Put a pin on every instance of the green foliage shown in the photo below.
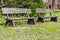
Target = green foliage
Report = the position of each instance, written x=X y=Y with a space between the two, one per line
x=42 y=14
x=24 y=4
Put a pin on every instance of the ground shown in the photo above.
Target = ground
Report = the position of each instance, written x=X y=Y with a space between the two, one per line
x=39 y=31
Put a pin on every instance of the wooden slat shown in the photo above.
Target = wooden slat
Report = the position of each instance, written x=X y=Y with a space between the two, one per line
x=15 y=10
x=40 y=10
x=49 y=10
x=49 y=16
x=17 y=18
x=56 y=9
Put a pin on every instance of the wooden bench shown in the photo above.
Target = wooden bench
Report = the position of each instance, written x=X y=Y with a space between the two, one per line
x=41 y=18
x=9 y=19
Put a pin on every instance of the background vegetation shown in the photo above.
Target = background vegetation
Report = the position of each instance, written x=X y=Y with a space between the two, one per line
x=32 y=4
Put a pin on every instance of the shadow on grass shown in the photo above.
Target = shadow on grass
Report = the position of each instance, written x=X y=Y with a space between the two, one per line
x=47 y=21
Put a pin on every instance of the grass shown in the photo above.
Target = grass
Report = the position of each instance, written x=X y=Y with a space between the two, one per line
x=39 y=31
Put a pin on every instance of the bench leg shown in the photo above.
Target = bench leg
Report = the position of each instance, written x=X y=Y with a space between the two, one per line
x=40 y=19
x=54 y=19
x=31 y=21
x=9 y=23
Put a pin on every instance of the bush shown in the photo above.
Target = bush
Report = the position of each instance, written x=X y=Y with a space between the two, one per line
x=24 y=4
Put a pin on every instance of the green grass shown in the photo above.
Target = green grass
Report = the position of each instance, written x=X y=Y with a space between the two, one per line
x=39 y=31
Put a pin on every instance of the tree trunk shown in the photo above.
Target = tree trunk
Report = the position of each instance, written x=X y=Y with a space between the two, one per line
x=2 y=2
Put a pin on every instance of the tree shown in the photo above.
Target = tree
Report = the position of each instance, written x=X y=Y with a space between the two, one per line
x=2 y=2
x=23 y=4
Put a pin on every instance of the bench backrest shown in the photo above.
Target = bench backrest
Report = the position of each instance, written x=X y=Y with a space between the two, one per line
x=40 y=10
x=15 y=10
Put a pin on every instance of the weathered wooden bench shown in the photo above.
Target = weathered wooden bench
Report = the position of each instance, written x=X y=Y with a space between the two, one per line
x=41 y=18
x=9 y=19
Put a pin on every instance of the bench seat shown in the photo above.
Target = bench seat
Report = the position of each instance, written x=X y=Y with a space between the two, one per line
x=10 y=18
x=52 y=18
x=48 y=16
